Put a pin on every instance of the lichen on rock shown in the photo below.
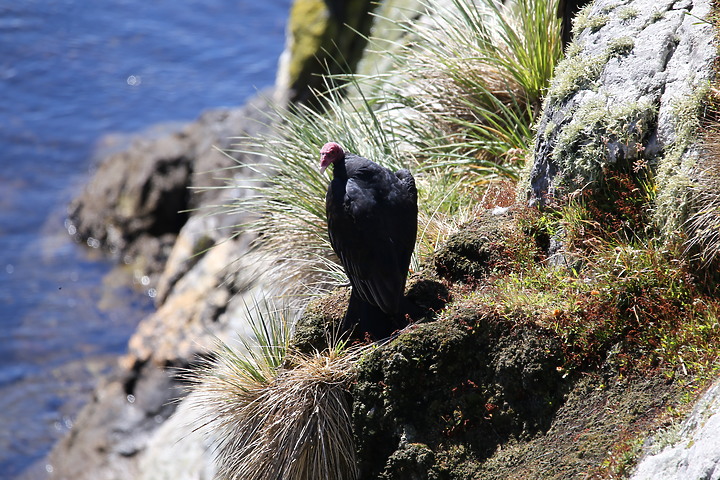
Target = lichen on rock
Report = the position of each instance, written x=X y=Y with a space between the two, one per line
x=615 y=100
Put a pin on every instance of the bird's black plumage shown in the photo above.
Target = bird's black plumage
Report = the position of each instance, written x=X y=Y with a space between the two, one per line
x=372 y=223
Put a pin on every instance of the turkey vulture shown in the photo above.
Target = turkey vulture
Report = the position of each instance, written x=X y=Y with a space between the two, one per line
x=372 y=223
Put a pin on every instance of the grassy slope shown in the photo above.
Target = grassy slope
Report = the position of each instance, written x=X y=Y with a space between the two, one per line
x=533 y=362
x=530 y=370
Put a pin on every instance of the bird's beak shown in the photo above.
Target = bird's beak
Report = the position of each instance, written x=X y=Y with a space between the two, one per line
x=324 y=162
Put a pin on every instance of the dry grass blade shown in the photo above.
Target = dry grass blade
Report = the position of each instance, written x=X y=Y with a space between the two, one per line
x=703 y=225
x=294 y=426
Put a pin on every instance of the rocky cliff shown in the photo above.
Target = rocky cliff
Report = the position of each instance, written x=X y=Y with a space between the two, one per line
x=504 y=393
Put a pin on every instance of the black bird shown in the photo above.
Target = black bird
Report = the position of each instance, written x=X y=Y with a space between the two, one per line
x=372 y=223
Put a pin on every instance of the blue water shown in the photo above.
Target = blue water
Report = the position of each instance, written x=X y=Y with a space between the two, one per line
x=70 y=72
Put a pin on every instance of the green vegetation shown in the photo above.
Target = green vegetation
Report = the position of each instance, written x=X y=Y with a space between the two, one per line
x=276 y=412
x=674 y=173
x=600 y=134
x=628 y=13
x=474 y=78
x=584 y=20
x=614 y=308
x=703 y=225
x=533 y=311
x=492 y=77
x=613 y=284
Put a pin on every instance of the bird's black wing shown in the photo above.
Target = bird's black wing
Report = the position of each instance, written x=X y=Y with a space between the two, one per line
x=372 y=229
x=406 y=213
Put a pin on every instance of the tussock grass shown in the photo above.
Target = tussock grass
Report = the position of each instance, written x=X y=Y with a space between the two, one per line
x=296 y=426
x=703 y=224
x=273 y=413
x=473 y=76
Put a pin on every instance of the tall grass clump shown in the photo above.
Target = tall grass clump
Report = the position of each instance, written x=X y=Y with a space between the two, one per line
x=475 y=74
x=275 y=413
x=703 y=224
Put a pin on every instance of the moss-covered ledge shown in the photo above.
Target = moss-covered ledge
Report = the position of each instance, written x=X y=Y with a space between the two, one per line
x=452 y=389
x=324 y=36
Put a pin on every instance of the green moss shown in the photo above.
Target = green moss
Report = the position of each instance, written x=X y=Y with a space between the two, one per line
x=550 y=128
x=489 y=245
x=411 y=460
x=448 y=383
x=584 y=20
x=502 y=357
x=656 y=16
x=327 y=37
x=591 y=22
x=581 y=72
x=321 y=318
x=597 y=22
x=620 y=46
x=607 y=9
x=573 y=50
x=571 y=75
x=311 y=28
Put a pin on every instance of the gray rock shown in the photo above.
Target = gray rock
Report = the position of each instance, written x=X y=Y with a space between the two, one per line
x=115 y=426
x=207 y=278
x=695 y=453
x=615 y=98
x=177 y=451
x=141 y=191
x=138 y=199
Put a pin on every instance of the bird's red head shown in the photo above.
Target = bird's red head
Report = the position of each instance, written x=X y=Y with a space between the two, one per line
x=330 y=153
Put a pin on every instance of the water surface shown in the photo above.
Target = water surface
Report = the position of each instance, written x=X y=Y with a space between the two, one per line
x=72 y=71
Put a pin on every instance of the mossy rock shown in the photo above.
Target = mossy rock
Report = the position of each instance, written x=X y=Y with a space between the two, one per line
x=412 y=461
x=322 y=317
x=327 y=36
x=428 y=293
x=492 y=243
x=473 y=380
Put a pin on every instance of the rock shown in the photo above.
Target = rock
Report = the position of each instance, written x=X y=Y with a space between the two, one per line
x=694 y=452
x=321 y=318
x=159 y=462
x=197 y=238
x=115 y=426
x=322 y=37
x=110 y=438
x=483 y=380
x=141 y=191
x=208 y=282
x=626 y=99
x=207 y=303
x=490 y=244
x=138 y=199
